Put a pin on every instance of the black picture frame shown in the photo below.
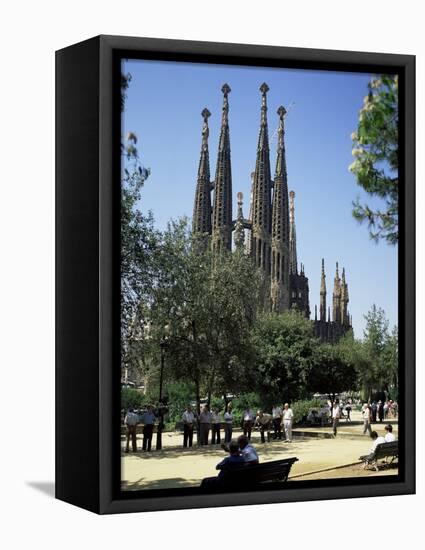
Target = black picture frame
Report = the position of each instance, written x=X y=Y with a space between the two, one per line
x=88 y=270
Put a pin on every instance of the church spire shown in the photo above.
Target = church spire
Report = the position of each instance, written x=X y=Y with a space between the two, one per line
x=345 y=319
x=222 y=211
x=293 y=262
x=280 y=226
x=323 y=293
x=261 y=193
x=239 y=236
x=201 y=222
x=336 y=297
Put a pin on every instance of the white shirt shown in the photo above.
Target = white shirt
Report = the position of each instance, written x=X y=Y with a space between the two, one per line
x=215 y=418
x=131 y=419
x=205 y=417
x=248 y=415
x=377 y=442
x=288 y=414
x=188 y=417
x=249 y=453
x=389 y=437
x=276 y=412
x=336 y=413
x=228 y=417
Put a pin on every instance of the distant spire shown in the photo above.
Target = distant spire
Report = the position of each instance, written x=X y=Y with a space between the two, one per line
x=201 y=221
x=293 y=262
x=329 y=314
x=345 y=320
x=239 y=235
x=323 y=293
x=222 y=211
x=261 y=192
x=315 y=312
x=336 y=297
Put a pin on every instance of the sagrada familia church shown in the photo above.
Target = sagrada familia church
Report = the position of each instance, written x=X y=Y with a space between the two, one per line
x=268 y=235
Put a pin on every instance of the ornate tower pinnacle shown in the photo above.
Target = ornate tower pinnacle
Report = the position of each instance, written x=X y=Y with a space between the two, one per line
x=222 y=209
x=239 y=237
x=323 y=293
x=201 y=222
x=336 y=298
x=280 y=298
x=293 y=262
x=260 y=242
x=345 y=318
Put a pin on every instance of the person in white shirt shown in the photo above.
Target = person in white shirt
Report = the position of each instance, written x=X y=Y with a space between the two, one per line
x=248 y=452
x=205 y=419
x=287 y=419
x=377 y=439
x=248 y=418
x=367 y=417
x=336 y=415
x=389 y=436
x=263 y=421
x=215 y=426
x=277 y=421
x=188 y=419
x=131 y=420
x=228 y=424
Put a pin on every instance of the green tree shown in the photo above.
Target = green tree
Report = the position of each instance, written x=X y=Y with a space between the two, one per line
x=333 y=372
x=285 y=354
x=375 y=149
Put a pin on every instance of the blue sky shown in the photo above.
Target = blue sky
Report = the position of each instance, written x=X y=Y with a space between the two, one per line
x=163 y=107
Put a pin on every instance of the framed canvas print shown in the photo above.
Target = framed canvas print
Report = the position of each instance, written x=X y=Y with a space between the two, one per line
x=235 y=274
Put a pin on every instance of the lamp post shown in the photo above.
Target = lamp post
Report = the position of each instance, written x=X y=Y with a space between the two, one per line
x=163 y=345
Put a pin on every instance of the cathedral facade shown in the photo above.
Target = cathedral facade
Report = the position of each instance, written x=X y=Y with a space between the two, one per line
x=268 y=235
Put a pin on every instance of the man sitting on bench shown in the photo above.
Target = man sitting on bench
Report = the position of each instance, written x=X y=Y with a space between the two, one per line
x=377 y=439
x=247 y=450
x=231 y=462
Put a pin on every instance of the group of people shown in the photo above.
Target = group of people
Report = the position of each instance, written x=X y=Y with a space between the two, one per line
x=132 y=418
x=280 y=419
x=377 y=440
x=371 y=412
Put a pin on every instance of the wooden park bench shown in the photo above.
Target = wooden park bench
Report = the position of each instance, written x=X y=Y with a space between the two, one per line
x=383 y=450
x=251 y=476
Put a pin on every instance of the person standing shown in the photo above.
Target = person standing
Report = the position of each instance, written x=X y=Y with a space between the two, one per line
x=205 y=419
x=277 y=421
x=336 y=415
x=131 y=419
x=374 y=408
x=287 y=419
x=263 y=421
x=228 y=424
x=148 y=420
x=348 y=411
x=215 y=426
x=248 y=418
x=366 y=414
x=188 y=419
x=380 y=411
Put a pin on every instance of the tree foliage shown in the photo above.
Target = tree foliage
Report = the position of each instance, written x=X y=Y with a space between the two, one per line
x=285 y=354
x=375 y=149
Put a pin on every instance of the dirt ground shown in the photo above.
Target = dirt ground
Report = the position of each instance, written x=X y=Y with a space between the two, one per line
x=174 y=466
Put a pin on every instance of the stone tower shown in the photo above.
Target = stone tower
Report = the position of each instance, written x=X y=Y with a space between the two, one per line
x=280 y=227
x=239 y=232
x=222 y=209
x=201 y=222
x=261 y=194
x=345 y=319
x=336 y=298
x=323 y=293
x=298 y=282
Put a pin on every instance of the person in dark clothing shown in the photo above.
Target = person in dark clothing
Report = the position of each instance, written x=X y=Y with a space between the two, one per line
x=374 y=408
x=380 y=411
x=227 y=466
x=148 y=419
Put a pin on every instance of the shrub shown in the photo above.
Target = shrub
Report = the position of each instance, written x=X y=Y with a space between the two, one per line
x=302 y=408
